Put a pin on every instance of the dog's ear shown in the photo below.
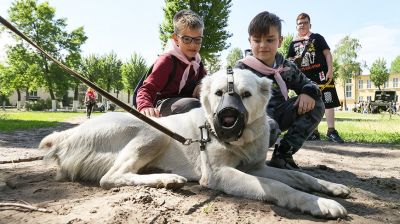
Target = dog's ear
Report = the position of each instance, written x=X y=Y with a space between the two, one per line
x=265 y=86
x=205 y=91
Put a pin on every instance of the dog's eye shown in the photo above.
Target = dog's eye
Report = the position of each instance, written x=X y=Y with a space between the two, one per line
x=218 y=93
x=246 y=94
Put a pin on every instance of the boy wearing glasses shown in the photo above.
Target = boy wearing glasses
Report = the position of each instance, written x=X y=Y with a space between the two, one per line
x=297 y=115
x=314 y=59
x=163 y=93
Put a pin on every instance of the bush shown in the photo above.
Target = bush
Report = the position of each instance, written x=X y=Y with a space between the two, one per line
x=4 y=99
x=39 y=105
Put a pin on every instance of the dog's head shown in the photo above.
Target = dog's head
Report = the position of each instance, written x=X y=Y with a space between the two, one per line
x=232 y=105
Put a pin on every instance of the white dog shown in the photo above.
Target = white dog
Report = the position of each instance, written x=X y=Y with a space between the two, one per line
x=117 y=149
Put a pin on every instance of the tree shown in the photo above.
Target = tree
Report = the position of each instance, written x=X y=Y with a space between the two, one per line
x=39 y=23
x=5 y=89
x=215 y=14
x=379 y=72
x=132 y=71
x=213 y=65
x=234 y=55
x=345 y=56
x=91 y=67
x=395 y=67
x=20 y=72
x=283 y=50
x=110 y=72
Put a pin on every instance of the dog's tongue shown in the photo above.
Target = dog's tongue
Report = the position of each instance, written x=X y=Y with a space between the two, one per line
x=228 y=121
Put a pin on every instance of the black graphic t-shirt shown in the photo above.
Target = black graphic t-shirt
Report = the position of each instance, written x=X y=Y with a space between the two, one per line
x=313 y=64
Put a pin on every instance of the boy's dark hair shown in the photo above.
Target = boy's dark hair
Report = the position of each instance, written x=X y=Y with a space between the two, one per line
x=262 y=22
x=303 y=15
x=187 y=19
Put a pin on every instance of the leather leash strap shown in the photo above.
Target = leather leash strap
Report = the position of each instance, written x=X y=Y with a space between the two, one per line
x=121 y=104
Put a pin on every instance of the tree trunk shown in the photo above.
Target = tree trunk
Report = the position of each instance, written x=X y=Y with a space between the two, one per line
x=26 y=94
x=344 y=98
x=53 y=105
x=47 y=77
x=18 y=95
x=76 y=91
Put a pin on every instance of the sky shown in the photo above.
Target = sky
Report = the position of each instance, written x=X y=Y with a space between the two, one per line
x=126 y=26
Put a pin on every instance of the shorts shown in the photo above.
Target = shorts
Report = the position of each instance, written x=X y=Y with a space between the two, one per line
x=329 y=94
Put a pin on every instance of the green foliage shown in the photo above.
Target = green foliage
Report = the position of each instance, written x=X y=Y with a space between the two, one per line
x=379 y=72
x=345 y=55
x=335 y=67
x=91 y=67
x=213 y=65
x=20 y=71
x=133 y=70
x=105 y=71
x=344 y=58
x=395 y=67
x=111 y=72
x=38 y=22
x=283 y=50
x=39 y=105
x=215 y=14
x=234 y=55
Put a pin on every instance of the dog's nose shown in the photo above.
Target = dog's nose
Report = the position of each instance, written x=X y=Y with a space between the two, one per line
x=228 y=121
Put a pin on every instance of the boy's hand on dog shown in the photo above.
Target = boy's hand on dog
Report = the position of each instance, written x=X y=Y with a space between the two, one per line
x=305 y=103
x=196 y=91
x=151 y=112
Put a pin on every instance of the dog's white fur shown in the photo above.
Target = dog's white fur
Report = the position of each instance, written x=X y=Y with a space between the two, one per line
x=117 y=149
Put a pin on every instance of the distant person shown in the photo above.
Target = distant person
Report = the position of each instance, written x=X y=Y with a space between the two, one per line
x=90 y=101
x=159 y=96
x=298 y=115
x=314 y=58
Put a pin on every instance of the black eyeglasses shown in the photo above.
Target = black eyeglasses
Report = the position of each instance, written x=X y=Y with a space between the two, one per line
x=302 y=23
x=189 y=40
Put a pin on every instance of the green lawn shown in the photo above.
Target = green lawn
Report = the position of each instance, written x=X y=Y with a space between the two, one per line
x=353 y=127
x=16 y=120
x=368 y=128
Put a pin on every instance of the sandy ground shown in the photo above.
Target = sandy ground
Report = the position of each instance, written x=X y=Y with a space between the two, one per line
x=371 y=171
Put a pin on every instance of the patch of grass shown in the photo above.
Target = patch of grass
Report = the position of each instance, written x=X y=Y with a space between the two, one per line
x=16 y=120
x=352 y=127
x=208 y=208
x=365 y=128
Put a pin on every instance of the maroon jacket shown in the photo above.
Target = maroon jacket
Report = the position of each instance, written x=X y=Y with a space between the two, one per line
x=158 y=80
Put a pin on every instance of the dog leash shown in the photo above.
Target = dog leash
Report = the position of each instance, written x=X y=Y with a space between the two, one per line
x=124 y=106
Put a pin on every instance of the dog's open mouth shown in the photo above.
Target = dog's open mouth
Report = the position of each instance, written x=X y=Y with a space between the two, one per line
x=228 y=117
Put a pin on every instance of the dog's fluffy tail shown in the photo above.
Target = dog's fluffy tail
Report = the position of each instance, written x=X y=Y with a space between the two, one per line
x=50 y=143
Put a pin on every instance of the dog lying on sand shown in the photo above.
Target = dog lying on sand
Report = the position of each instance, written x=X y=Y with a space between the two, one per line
x=117 y=149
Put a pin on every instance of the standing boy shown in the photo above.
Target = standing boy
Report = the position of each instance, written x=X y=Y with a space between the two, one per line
x=314 y=59
x=298 y=115
x=161 y=95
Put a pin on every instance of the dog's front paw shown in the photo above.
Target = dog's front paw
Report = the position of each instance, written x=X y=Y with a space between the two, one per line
x=341 y=191
x=328 y=208
x=338 y=190
x=171 y=181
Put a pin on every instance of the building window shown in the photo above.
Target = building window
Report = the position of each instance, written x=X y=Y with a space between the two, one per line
x=360 y=84
x=33 y=93
x=368 y=98
x=386 y=84
x=368 y=84
x=360 y=99
x=395 y=82
x=348 y=91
